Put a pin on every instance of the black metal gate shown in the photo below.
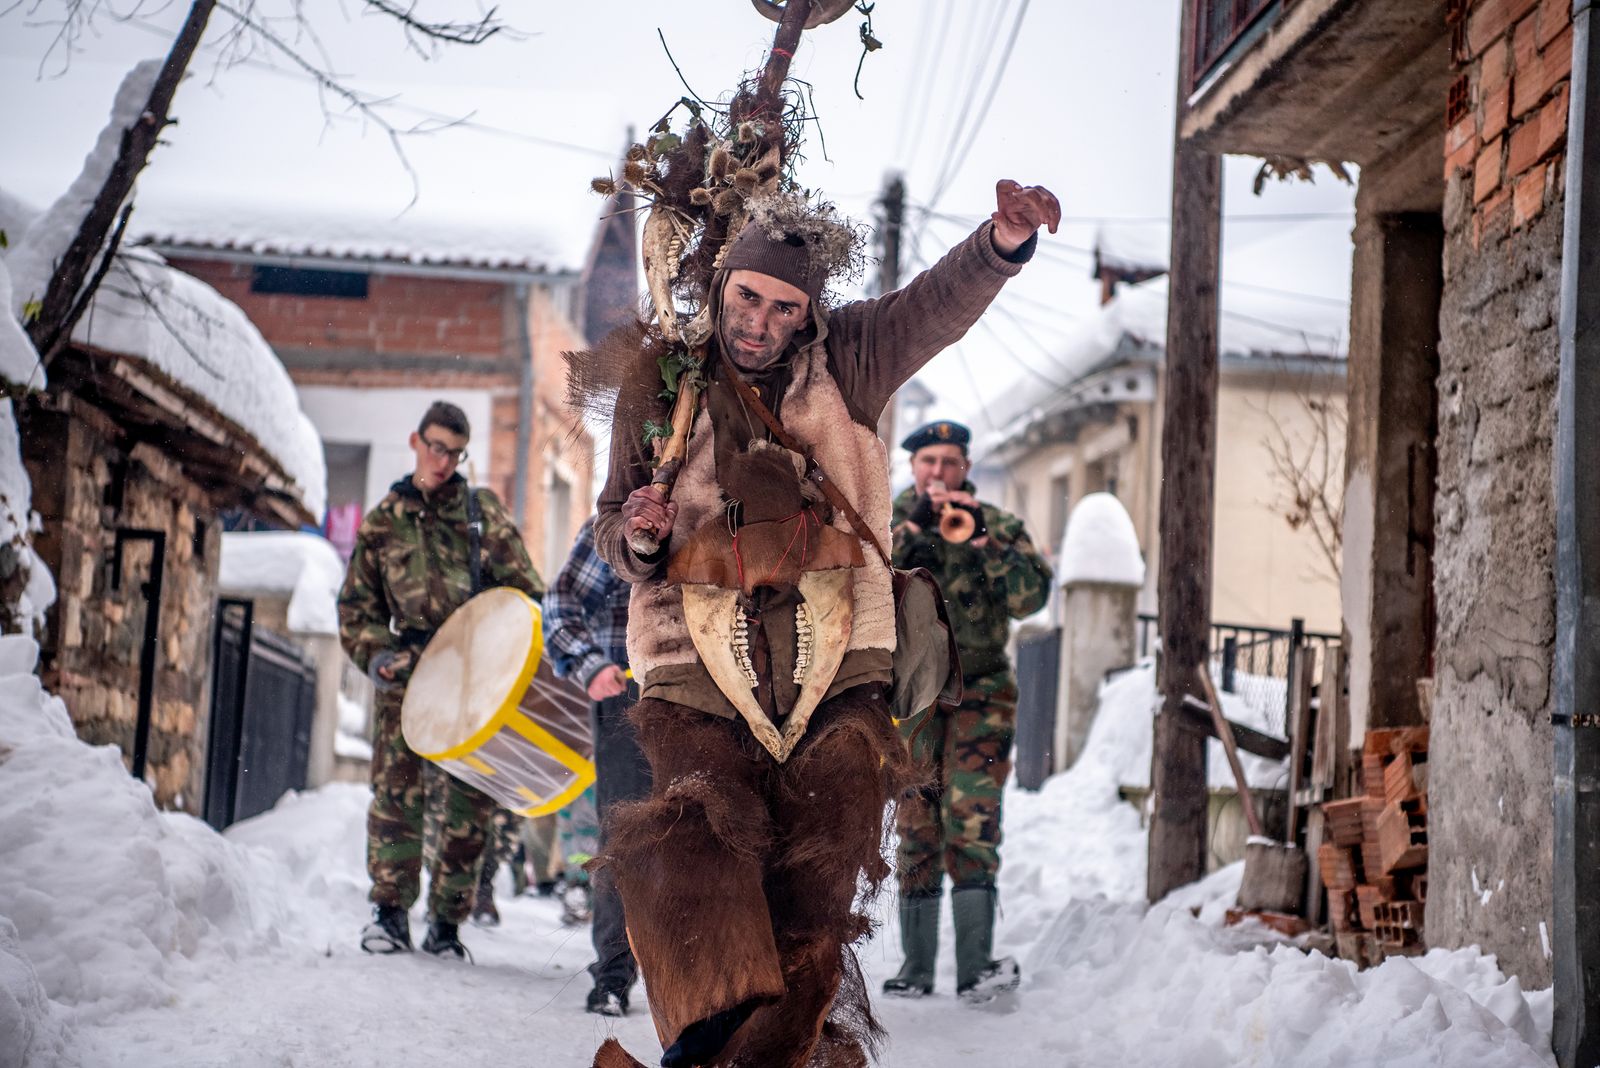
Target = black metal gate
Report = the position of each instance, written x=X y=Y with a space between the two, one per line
x=263 y=699
x=1038 y=682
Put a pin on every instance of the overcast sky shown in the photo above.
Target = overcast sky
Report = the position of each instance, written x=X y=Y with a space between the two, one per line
x=1083 y=104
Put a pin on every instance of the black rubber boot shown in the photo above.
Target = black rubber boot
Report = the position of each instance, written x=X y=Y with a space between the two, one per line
x=979 y=977
x=389 y=931
x=703 y=1040
x=444 y=940
x=919 y=939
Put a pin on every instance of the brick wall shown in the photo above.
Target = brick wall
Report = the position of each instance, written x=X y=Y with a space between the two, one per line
x=1512 y=136
x=1495 y=518
x=401 y=314
x=84 y=488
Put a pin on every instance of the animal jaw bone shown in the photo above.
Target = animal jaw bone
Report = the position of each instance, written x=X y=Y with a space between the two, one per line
x=822 y=11
x=666 y=231
x=710 y=612
x=715 y=619
x=829 y=602
x=803 y=642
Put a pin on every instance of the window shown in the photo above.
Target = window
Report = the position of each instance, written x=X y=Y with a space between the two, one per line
x=306 y=282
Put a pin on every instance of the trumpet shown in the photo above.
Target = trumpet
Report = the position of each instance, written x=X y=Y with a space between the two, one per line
x=956 y=524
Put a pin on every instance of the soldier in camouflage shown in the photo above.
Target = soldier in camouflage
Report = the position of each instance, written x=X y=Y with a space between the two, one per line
x=410 y=569
x=952 y=823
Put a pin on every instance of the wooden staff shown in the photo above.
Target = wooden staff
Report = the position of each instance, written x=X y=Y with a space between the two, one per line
x=767 y=101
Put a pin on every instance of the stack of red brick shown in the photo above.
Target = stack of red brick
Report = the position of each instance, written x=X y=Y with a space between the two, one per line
x=1374 y=861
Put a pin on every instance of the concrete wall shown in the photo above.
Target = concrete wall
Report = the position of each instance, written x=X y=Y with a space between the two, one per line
x=383 y=420
x=1490 y=800
x=84 y=488
x=1266 y=572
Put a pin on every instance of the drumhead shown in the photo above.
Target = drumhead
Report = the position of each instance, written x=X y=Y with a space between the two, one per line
x=477 y=666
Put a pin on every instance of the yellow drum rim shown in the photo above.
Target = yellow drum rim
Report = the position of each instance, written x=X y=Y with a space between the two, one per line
x=583 y=770
x=509 y=706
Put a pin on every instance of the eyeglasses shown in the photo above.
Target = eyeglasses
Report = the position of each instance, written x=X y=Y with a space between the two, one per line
x=444 y=452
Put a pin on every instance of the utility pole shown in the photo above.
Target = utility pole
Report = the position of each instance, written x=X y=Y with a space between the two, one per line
x=894 y=213
x=1188 y=491
x=1576 y=683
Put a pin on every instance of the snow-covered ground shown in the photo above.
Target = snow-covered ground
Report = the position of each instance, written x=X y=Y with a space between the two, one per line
x=130 y=936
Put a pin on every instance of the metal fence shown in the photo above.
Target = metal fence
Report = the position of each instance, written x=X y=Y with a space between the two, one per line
x=1255 y=663
x=263 y=700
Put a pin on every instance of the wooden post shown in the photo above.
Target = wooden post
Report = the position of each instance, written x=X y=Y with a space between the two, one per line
x=1575 y=933
x=1188 y=464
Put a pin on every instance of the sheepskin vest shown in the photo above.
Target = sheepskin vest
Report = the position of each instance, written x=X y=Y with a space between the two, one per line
x=852 y=456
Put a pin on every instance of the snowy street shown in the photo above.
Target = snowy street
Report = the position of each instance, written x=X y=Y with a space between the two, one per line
x=133 y=937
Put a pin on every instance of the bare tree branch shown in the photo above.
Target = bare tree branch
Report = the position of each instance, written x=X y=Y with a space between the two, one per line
x=55 y=318
x=1307 y=472
x=87 y=295
x=463 y=33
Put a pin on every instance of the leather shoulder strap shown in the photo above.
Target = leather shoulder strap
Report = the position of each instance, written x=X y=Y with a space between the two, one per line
x=813 y=472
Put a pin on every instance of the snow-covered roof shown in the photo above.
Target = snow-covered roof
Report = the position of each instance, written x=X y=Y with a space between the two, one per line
x=1131 y=248
x=206 y=345
x=1100 y=545
x=414 y=240
x=302 y=567
x=1253 y=324
x=175 y=325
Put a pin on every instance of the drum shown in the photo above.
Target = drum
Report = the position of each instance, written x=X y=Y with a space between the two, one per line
x=481 y=705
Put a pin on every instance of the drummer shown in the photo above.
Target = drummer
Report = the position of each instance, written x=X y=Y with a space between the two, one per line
x=412 y=567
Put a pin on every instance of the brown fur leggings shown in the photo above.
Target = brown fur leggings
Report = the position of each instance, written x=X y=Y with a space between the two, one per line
x=739 y=876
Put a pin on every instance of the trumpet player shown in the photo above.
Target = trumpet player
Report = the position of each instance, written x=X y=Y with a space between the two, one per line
x=990 y=573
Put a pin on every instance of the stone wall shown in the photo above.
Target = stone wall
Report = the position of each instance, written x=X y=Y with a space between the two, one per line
x=1490 y=802
x=85 y=487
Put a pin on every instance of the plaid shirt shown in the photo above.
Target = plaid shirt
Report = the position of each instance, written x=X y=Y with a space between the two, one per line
x=586 y=614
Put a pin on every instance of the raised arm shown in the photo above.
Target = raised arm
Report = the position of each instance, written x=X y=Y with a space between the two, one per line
x=881 y=343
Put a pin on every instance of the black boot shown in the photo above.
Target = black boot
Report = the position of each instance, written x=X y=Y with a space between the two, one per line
x=919 y=939
x=484 y=914
x=444 y=940
x=389 y=931
x=979 y=977
x=703 y=1040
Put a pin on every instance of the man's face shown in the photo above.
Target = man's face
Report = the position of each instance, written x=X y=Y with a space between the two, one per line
x=760 y=315
x=438 y=452
x=943 y=463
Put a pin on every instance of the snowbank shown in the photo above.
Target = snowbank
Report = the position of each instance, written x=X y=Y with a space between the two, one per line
x=303 y=567
x=16 y=520
x=1160 y=987
x=110 y=896
x=1100 y=545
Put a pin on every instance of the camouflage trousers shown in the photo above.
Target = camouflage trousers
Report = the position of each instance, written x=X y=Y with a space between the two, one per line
x=401 y=784
x=951 y=823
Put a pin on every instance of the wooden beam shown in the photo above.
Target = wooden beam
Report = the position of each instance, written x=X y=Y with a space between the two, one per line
x=1196 y=715
x=1188 y=461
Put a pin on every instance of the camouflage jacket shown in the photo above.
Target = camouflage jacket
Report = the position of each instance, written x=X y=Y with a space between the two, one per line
x=410 y=567
x=983 y=588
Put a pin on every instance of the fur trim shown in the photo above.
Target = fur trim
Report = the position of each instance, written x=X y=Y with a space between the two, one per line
x=855 y=458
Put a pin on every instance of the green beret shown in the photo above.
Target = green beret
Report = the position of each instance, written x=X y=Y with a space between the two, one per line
x=943 y=432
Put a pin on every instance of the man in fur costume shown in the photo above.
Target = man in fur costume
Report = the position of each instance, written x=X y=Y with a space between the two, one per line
x=761 y=630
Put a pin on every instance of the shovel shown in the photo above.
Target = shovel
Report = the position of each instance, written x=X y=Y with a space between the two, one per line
x=1274 y=873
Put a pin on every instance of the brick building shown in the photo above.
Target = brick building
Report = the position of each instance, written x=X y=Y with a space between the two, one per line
x=1456 y=113
x=371 y=333
x=167 y=412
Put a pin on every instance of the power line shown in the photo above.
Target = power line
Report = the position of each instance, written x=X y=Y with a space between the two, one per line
x=983 y=112
x=920 y=88
x=1162 y=220
x=967 y=97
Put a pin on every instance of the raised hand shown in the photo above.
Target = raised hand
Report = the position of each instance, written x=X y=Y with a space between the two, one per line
x=1019 y=211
